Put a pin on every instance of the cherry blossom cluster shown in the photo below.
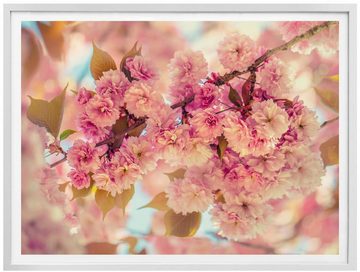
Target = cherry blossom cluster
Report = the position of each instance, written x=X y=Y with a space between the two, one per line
x=237 y=155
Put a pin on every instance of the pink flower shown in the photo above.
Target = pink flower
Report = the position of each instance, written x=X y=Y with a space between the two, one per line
x=142 y=100
x=197 y=152
x=140 y=69
x=206 y=97
x=240 y=221
x=113 y=84
x=180 y=91
x=90 y=130
x=275 y=78
x=83 y=96
x=268 y=164
x=102 y=111
x=188 y=66
x=123 y=171
x=237 y=52
x=239 y=183
x=306 y=124
x=83 y=156
x=49 y=185
x=271 y=120
x=207 y=124
x=79 y=179
x=171 y=142
x=142 y=150
x=189 y=195
x=237 y=133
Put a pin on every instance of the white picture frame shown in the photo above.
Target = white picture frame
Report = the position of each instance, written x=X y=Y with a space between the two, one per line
x=177 y=262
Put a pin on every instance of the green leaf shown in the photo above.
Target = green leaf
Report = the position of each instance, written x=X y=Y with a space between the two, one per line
x=182 y=225
x=105 y=201
x=222 y=145
x=330 y=151
x=159 y=202
x=234 y=97
x=121 y=200
x=178 y=174
x=47 y=114
x=66 y=133
x=101 y=62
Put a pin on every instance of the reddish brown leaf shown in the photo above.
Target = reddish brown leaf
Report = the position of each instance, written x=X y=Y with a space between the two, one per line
x=100 y=248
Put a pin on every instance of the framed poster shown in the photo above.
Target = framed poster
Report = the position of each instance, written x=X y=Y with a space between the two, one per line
x=180 y=137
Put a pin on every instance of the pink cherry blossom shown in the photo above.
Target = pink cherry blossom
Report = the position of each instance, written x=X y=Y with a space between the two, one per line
x=142 y=100
x=237 y=133
x=79 y=179
x=90 y=130
x=267 y=164
x=240 y=221
x=189 y=195
x=206 y=96
x=275 y=78
x=188 y=66
x=83 y=96
x=113 y=84
x=271 y=120
x=83 y=156
x=102 y=111
x=140 y=69
x=207 y=124
x=236 y=52
x=306 y=124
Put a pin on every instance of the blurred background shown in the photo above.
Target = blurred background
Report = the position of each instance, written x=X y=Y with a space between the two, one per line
x=58 y=53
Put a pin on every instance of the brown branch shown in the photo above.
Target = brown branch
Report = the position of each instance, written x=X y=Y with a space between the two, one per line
x=308 y=34
x=329 y=121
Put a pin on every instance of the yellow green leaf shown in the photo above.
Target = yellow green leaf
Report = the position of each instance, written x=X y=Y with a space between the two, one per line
x=182 y=225
x=330 y=151
x=66 y=133
x=329 y=98
x=105 y=201
x=334 y=78
x=47 y=114
x=178 y=174
x=222 y=145
x=121 y=200
x=101 y=248
x=159 y=202
x=101 y=62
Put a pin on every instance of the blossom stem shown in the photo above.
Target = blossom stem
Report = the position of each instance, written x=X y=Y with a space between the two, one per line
x=329 y=121
x=286 y=46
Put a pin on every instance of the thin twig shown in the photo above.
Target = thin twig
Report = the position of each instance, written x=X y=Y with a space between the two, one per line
x=329 y=121
x=308 y=34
